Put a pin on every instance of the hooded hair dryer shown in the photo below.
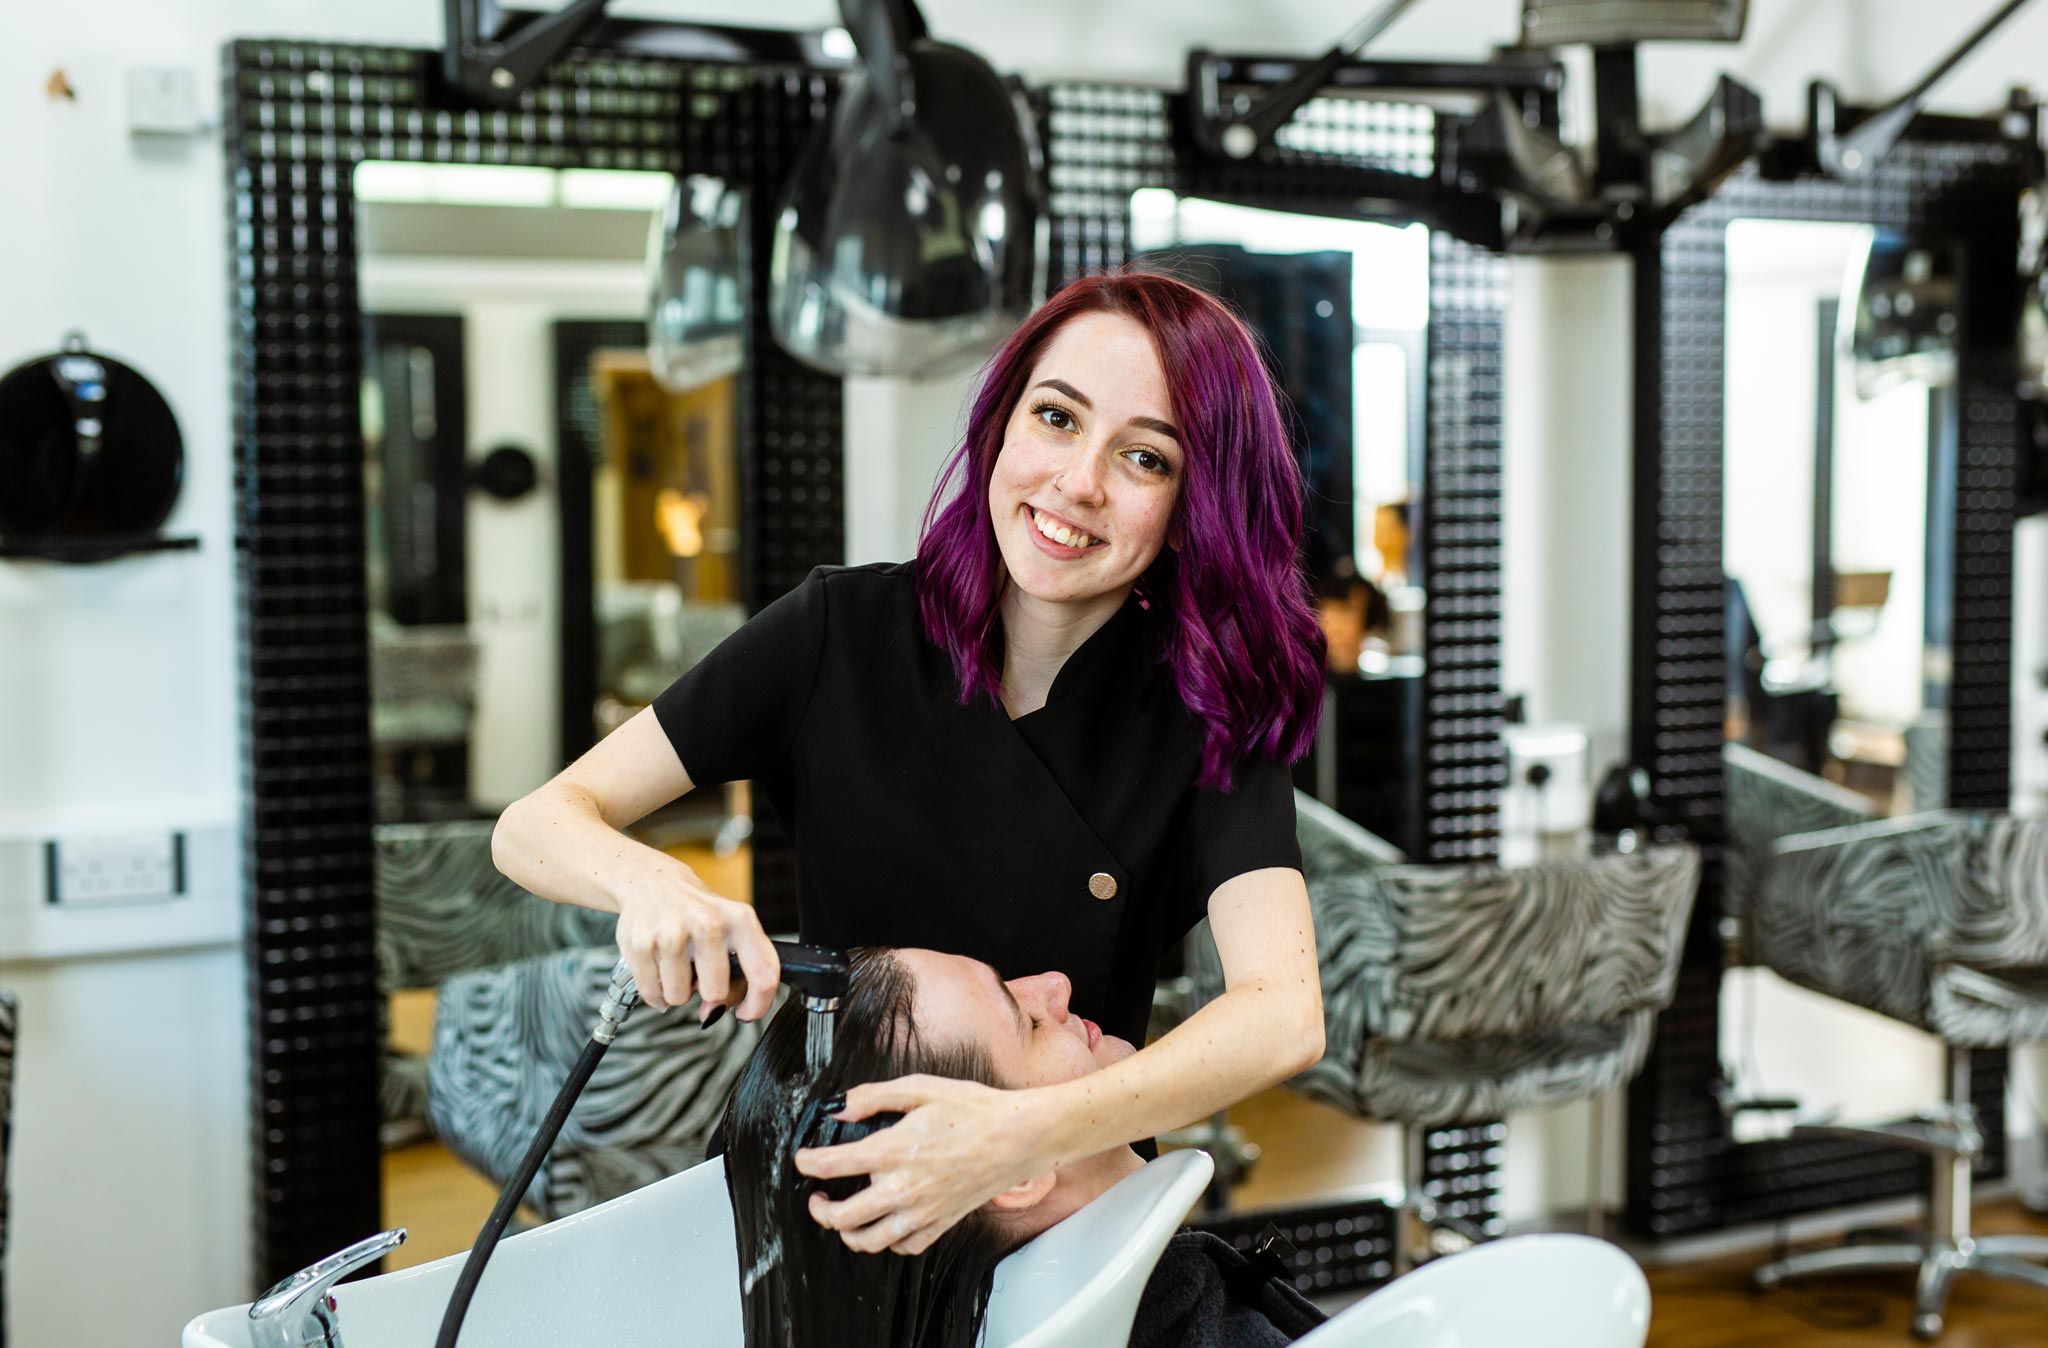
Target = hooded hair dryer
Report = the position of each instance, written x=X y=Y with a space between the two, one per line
x=908 y=240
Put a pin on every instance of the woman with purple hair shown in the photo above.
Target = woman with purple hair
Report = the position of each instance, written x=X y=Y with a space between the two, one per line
x=1056 y=739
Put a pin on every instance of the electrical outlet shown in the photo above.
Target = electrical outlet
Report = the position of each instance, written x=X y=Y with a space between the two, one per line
x=116 y=868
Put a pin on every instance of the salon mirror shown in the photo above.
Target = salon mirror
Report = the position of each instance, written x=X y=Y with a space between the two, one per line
x=1840 y=425
x=549 y=383
x=1342 y=310
x=517 y=617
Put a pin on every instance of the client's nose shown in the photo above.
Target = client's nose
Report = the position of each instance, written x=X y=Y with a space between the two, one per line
x=1047 y=993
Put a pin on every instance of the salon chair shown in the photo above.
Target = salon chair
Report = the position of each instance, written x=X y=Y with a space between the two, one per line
x=1789 y=702
x=1453 y=993
x=504 y=1041
x=1766 y=799
x=444 y=909
x=648 y=636
x=423 y=698
x=1939 y=920
x=1926 y=765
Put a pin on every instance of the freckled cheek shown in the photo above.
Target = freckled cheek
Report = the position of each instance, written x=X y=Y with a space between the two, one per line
x=1152 y=523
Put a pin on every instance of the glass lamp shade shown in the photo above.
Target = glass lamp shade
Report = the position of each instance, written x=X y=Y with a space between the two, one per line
x=694 y=306
x=911 y=250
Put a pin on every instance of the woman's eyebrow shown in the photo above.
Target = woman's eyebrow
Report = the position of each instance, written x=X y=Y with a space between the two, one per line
x=1153 y=424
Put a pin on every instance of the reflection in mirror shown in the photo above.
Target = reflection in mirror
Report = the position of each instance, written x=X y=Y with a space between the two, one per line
x=549 y=388
x=1838 y=420
x=1834 y=414
x=1342 y=309
x=508 y=344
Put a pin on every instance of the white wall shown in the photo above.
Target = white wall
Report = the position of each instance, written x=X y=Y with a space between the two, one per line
x=1569 y=443
x=117 y=683
x=898 y=435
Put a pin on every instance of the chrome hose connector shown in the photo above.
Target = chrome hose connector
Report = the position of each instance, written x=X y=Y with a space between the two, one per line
x=619 y=1000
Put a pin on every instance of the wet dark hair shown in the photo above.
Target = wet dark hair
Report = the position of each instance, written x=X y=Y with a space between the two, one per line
x=800 y=1286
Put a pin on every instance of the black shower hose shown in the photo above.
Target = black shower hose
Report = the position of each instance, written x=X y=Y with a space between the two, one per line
x=508 y=1201
x=818 y=972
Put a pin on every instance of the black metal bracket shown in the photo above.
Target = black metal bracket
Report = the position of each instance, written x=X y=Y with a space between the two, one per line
x=493 y=54
x=1236 y=103
x=1842 y=147
x=1505 y=177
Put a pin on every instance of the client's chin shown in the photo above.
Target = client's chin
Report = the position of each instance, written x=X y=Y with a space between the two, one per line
x=1110 y=1049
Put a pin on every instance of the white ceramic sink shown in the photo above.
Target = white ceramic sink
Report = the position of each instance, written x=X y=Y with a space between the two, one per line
x=1554 y=1291
x=659 y=1266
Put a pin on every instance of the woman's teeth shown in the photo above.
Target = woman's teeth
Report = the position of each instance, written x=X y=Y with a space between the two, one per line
x=1060 y=533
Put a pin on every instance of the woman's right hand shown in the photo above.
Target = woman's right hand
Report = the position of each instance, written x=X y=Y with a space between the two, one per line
x=676 y=936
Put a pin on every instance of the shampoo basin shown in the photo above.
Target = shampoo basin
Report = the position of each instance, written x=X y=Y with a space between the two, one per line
x=659 y=1266
x=1550 y=1291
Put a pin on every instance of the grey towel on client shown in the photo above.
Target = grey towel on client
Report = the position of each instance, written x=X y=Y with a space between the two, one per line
x=1204 y=1294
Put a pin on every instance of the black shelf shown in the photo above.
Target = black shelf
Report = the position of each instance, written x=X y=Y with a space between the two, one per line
x=105 y=548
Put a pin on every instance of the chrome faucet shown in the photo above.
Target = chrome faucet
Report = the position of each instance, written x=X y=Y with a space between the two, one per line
x=298 y=1312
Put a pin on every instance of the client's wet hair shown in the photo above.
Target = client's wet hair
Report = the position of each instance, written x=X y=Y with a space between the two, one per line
x=801 y=1287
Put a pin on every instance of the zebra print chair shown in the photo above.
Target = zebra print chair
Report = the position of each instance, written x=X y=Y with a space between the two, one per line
x=1939 y=920
x=1926 y=765
x=504 y=1041
x=1767 y=799
x=444 y=909
x=1453 y=993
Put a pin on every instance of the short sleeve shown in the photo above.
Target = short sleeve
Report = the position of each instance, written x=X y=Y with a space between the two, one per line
x=734 y=714
x=1225 y=834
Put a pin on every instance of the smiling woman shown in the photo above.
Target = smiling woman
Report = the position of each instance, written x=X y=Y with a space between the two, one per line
x=1057 y=739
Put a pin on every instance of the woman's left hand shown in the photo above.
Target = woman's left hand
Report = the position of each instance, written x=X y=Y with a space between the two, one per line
x=957 y=1145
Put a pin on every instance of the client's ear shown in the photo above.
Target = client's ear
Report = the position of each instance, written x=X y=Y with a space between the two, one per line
x=1022 y=1197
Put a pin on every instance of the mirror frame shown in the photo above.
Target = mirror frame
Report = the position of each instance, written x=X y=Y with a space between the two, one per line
x=297 y=118
x=1956 y=179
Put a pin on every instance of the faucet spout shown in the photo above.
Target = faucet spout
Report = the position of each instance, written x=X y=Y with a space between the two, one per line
x=298 y=1312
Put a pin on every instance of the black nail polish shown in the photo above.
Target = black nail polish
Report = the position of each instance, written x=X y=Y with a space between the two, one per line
x=712 y=1019
x=832 y=1106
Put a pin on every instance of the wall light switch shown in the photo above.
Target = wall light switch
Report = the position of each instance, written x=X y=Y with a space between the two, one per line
x=164 y=100
x=116 y=868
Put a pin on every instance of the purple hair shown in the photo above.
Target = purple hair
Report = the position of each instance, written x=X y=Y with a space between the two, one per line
x=1243 y=644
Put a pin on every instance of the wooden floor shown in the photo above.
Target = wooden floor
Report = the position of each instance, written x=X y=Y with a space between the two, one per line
x=1711 y=1306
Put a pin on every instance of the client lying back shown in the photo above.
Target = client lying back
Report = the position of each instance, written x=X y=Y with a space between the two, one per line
x=919 y=1011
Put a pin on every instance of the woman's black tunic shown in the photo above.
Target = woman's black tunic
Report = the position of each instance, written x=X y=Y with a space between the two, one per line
x=1073 y=838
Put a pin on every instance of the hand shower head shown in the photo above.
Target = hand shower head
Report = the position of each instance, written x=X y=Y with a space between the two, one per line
x=813 y=970
x=816 y=973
